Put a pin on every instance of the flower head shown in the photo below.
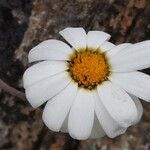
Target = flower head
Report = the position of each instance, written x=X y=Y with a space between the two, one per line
x=92 y=88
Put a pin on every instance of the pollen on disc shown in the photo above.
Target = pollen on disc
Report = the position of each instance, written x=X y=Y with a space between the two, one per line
x=88 y=68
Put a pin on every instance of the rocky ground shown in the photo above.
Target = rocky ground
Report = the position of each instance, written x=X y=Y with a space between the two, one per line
x=23 y=24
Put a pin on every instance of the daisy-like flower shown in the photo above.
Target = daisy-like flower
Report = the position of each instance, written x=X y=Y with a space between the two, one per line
x=92 y=87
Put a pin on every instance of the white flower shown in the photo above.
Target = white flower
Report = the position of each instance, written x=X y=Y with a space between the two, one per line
x=91 y=87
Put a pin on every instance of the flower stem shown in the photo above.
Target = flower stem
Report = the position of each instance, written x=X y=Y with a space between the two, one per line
x=7 y=88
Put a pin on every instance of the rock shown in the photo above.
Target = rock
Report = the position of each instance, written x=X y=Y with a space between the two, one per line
x=25 y=23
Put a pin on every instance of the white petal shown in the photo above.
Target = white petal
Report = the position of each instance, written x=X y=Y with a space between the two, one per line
x=64 y=127
x=75 y=36
x=58 y=107
x=138 y=106
x=42 y=91
x=134 y=57
x=96 y=38
x=110 y=126
x=106 y=46
x=97 y=130
x=117 y=102
x=136 y=83
x=50 y=50
x=117 y=49
x=81 y=115
x=42 y=70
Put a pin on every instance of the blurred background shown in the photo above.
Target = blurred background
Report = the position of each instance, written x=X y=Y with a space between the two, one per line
x=25 y=23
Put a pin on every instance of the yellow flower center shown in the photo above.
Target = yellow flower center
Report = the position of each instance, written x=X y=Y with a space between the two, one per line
x=88 y=68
